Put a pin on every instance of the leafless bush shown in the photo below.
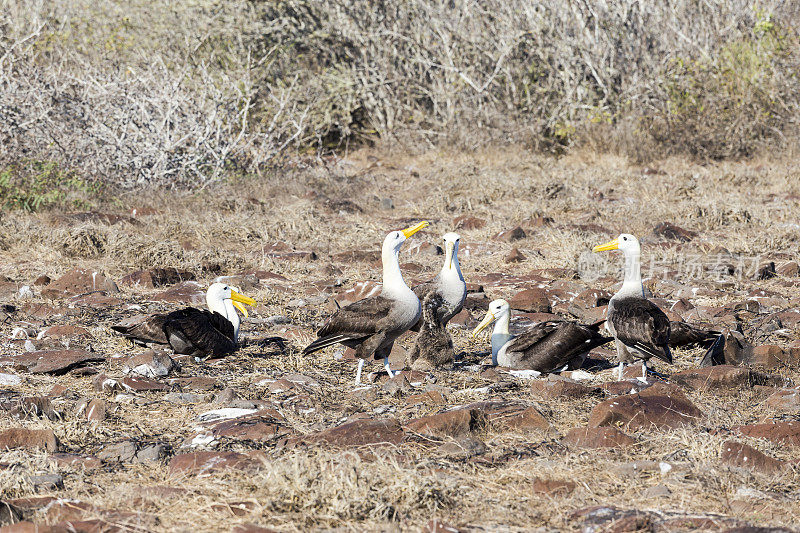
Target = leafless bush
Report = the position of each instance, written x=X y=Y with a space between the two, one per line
x=168 y=118
x=546 y=72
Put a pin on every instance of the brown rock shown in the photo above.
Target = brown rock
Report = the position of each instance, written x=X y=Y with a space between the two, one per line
x=592 y=298
x=724 y=377
x=187 y=292
x=511 y=235
x=361 y=433
x=619 y=388
x=784 y=399
x=150 y=364
x=194 y=383
x=531 y=300
x=467 y=222
x=771 y=356
x=75 y=461
x=744 y=456
x=437 y=526
x=96 y=411
x=103 y=383
x=672 y=232
x=42 y=280
x=455 y=423
x=61 y=331
x=428 y=397
x=511 y=416
x=356 y=256
x=79 y=281
x=281 y=250
x=659 y=406
x=258 y=427
x=136 y=384
x=781 y=432
x=359 y=291
x=29 y=439
x=252 y=528
x=598 y=437
x=156 y=277
x=56 y=362
x=789 y=269
x=95 y=300
x=550 y=389
x=515 y=256
x=205 y=462
x=553 y=487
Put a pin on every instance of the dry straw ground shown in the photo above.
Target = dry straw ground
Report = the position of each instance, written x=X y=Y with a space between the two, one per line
x=750 y=208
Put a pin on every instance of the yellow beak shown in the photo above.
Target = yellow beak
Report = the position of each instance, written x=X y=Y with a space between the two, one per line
x=450 y=248
x=611 y=245
x=488 y=319
x=408 y=232
x=239 y=299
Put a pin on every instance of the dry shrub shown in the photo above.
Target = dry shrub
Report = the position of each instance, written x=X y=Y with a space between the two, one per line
x=109 y=89
x=181 y=94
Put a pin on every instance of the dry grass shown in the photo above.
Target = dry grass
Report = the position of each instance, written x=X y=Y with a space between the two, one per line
x=745 y=207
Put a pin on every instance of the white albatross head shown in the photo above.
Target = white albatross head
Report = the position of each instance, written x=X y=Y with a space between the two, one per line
x=497 y=309
x=219 y=295
x=451 y=242
x=627 y=243
x=395 y=239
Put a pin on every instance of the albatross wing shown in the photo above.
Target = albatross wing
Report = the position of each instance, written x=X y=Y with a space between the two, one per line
x=355 y=325
x=143 y=329
x=550 y=345
x=195 y=332
x=639 y=324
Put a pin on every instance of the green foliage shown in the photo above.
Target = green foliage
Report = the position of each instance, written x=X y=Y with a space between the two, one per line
x=41 y=184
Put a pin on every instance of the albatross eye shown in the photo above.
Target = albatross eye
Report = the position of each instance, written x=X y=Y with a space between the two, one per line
x=624 y=238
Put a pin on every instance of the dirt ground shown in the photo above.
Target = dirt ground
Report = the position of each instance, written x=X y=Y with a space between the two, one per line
x=280 y=474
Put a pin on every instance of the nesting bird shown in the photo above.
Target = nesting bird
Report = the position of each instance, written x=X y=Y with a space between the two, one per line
x=449 y=283
x=641 y=330
x=545 y=347
x=371 y=325
x=190 y=331
x=433 y=346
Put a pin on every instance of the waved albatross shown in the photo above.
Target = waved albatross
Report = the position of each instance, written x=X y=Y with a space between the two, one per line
x=545 y=347
x=371 y=325
x=192 y=331
x=449 y=283
x=641 y=330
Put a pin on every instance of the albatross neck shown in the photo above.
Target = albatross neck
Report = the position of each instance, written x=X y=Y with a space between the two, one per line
x=393 y=283
x=226 y=309
x=500 y=335
x=632 y=283
x=451 y=270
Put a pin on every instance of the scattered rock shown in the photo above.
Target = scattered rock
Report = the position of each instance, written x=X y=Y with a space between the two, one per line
x=672 y=232
x=360 y=433
x=553 y=487
x=437 y=526
x=462 y=448
x=454 y=423
x=744 y=456
x=789 y=269
x=207 y=462
x=150 y=364
x=56 y=362
x=79 y=281
x=156 y=277
x=515 y=256
x=103 y=383
x=135 y=384
x=563 y=388
x=724 y=377
x=29 y=439
x=187 y=292
x=511 y=235
x=784 y=399
x=120 y=452
x=598 y=437
x=659 y=406
x=96 y=411
x=787 y=432
x=531 y=300
x=466 y=222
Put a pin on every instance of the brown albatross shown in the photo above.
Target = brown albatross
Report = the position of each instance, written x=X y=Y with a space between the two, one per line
x=641 y=330
x=545 y=347
x=371 y=325
x=433 y=346
x=192 y=331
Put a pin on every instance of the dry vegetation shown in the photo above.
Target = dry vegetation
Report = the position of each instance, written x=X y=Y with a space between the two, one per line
x=747 y=208
x=180 y=94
